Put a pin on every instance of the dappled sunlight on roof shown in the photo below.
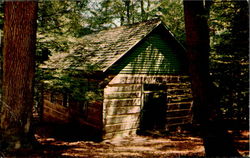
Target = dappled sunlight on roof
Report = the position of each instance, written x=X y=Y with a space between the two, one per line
x=102 y=48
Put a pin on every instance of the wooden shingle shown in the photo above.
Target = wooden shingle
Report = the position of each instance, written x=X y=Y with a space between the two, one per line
x=103 y=48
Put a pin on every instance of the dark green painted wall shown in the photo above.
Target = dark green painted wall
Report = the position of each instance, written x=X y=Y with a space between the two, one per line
x=153 y=56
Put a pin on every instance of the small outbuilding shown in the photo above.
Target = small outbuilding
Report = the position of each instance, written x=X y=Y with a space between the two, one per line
x=141 y=77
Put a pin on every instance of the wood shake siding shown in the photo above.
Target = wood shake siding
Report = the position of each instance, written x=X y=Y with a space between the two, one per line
x=137 y=66
x=152 y=56
x=123 y=102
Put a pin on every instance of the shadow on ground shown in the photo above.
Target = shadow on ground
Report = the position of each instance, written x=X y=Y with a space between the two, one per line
x=61 y=141
x=68 y=132
x=82 y=141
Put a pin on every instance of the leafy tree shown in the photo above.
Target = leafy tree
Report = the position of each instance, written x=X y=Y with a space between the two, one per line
x=173 y=15
x=60 y=23
x=18 y=74
x=65 y=39
x=229 y=69
x=109 y=13
x=104 y=14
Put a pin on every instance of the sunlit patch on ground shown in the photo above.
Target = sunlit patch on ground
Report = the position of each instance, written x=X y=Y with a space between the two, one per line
x=137 y=146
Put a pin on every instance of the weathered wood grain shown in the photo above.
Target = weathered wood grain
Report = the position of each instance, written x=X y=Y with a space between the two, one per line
x=179 y=105
x=178 y=113
x=91 y=124
x=122 y=88
x=123 y=110
x=122 y=95
x=150 y=79
x=179 y=120
x=122 y=102
x=124 y=98
x=53 y=112
x=122 y=118
x=121 y=127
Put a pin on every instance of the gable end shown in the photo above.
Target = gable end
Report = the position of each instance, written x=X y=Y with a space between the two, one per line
x=158 y=53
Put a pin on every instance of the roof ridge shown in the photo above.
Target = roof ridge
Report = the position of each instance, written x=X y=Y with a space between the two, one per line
x=146 y=21
x=127 y=25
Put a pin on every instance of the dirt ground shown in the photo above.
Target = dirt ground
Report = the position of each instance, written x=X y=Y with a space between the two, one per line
x=177 y=145
x=173 y=145
x=137 y=146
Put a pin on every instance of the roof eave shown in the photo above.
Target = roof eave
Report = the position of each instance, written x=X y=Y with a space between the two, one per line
x=173 y=36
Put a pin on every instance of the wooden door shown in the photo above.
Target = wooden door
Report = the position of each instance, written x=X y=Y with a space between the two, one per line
x=153 y=114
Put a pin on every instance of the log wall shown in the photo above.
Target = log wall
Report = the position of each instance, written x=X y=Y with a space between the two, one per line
x=55 y=113
x=123 y=102
x=93 y=115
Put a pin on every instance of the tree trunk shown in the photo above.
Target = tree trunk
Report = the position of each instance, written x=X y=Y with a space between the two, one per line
x=197 y=39
x=122 y=19
x=18 y=73
x=148 y=7
x=217 y=141
x=127 y=5
x=143 y=16
x=132 y=12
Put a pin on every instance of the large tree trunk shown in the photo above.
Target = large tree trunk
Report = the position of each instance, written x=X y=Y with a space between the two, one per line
x=217 y=141
x=197 y=40
x=18 y=73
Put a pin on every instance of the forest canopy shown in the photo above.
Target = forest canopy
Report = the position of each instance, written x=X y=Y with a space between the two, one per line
x=62 y=23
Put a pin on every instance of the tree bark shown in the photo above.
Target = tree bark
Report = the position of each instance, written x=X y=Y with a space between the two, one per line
x=18 y=73
x=132 y=12
x=197 y=40
x=127 y=5
x=143 y=16
x=148 y=8
x=122 y=19
x=217 y=141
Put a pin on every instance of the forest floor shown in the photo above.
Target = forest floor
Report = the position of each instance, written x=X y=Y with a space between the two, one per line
x=174 y=145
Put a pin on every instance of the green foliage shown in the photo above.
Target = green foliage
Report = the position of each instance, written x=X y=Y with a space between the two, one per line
x=229 y=22
x=173 y=15
x=109 y=13
x=112 y=13
x=72 y=82
x=59 y=24
x=61 y=17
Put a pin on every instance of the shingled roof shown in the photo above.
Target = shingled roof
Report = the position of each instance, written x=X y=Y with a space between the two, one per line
x=103 y=48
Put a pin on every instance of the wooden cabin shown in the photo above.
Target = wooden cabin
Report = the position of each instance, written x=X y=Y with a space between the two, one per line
x=141 y=73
